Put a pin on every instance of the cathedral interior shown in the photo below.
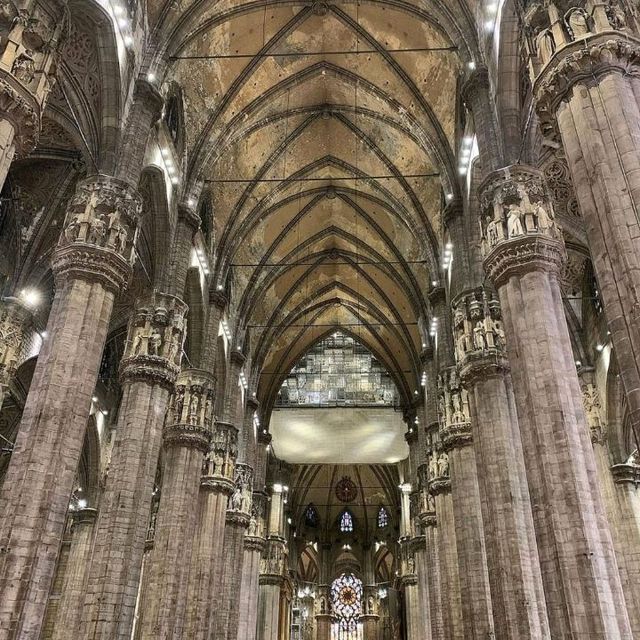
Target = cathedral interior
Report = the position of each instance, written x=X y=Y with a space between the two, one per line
x=319 y=320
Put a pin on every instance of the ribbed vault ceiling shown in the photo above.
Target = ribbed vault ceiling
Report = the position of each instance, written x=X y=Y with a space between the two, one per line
x=326 y=170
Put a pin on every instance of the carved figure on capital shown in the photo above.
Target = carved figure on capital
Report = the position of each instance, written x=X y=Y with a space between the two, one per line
x=515 y=203
x=220 y=461
x=240 y=499
x=104 y=213
x=155 y=326
x=443 y=465
x=578 y=23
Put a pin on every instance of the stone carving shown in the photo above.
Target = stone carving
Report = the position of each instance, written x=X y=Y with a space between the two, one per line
x=515 y=203
x=545 y=45
x=221 y=459
x=593 y=411
x=240 y=499
x=104 y=213
x=453 y=410
x=154 y=328
x=18 y=338
x=258 y=515
x=477 y=325
x=426 y=502
x=578 y=23
x=558 y=180
x=189 y=420
x=595 y=56
x=24 y=68
x=274 y=559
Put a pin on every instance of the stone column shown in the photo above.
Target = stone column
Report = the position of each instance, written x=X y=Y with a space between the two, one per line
x=589 y=93
x=627 y=534
x=30 y=40
x=148 y=372
x=271 y=582
x=237 y=522
x=451 y=602
x=70 y=605
x=619 y=490
x=435 y=622
x=477 y=96
x=409 y=582
x=323 y=627
x=455 y=436
x=254 y=547
x=216 y=485
x=186 y=440
x=91 y=264
x=524 y=256
x=517 y=595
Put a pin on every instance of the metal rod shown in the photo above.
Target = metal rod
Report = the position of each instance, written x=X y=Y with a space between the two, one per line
x=318 y=179
x=297 y=54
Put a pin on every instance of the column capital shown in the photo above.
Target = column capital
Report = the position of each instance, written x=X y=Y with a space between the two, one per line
x=524 y=255
x=409 y=580
x=190 y=217
x=21 y=108
x=519 y=231
x=100 y=232
x=453 y=410
x=626 y=473
x=477 y=81
x=218 y=299
x=147 y=93
x=189 y=421
x=240 y=499
x=583 y=61
x=255 y=543
x=237 y=357
x=154 y=343
x=452 y=210
x=87 y=515
x=220 y=462
x=478 y=335
x=217 y=484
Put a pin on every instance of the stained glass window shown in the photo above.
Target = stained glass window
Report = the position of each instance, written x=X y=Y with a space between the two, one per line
x=383 y=518
x=346 y=522
x=311 y=518
x=346 y=605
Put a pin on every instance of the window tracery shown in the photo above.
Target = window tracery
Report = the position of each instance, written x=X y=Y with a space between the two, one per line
x=311 y=517
x=346 y=522
x=383 y=518
x=346 y=603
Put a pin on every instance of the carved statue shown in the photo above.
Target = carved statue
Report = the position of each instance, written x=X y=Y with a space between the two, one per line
x=443 y=465
x=193 y=408
x=24 y=67
x=179 y=403
x=577 y=23
x=514 y=221
x=479 y=337
x=543 y=219
x=97 y=230
x=155 y=343
x=615 y=15
x=235 y=502
x=545 y=45
x=433 y=467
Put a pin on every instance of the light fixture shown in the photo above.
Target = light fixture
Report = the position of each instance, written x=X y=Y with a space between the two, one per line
x=128 y=41
x=82 y=503
x=95 y=398
x=471 y=65
x=191 y=202
x=449 y=197
x=578 y=363
x=30 y=297
x=599 y=347
x=488 y=25
x=151 y=77
x=277 y=487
